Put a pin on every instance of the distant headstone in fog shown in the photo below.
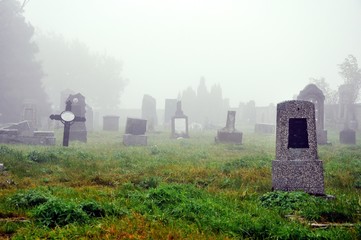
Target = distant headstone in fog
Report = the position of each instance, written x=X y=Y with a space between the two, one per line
x=313 y=94
x=30 y=113
x=264 y=128
x=111 y=123
x=169 y=110
x=149 y=111
x=229 y=134
x=179 y=123
x=135 y=132
x=297 y=167
x=346 y=110
x=78 y=130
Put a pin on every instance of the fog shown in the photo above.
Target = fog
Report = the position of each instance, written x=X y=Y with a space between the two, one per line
x=256 y=50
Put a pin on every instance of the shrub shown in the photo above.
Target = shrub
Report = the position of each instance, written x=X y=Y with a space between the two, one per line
x=58 y=213
x=41 y=157
x=93 y=209
x=29 y=199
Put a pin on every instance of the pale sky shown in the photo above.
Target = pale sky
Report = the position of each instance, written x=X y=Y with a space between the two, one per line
x=262 y=50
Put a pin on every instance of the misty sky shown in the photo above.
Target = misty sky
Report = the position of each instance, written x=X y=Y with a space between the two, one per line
x=262 y=50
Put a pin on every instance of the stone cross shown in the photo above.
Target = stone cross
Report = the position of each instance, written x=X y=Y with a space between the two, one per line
x=67 y=117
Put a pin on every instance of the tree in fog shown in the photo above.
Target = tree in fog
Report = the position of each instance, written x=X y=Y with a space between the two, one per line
x=331 y=96
x=351 y=74
x=20 y=73
x=70 y=64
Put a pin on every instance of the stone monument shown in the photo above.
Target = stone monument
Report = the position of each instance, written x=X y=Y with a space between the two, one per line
x=30 y=113
x=78 y=130
x=135 y=132
x=297 y=167
x=68 y=118
x=313 y=94
x=169 y=110
x=149 y=111
x=179 y=123
x=229 y=134
x=346 y=114
x=111 y=123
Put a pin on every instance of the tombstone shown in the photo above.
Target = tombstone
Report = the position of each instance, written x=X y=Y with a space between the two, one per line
x=313 y=94
x=264 y=128
x=20 y=133
x=346 y=115
x=68 y=118
x=179 y=123
x=89 y=115
x=169 y=110
x=149 y=111
x=30 y=113
x=135 y=132
x=297 y=167
x=229 y=134
x=78 y=130
x=111 y=123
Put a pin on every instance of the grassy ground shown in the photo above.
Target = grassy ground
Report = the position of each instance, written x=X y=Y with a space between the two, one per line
x=172 y=189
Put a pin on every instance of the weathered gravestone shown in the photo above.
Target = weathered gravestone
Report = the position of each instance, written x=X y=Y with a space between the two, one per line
x=297 y=166
x=179 y=123
x=169 y=110
x=229 y=134
x=346 y=116
x=21 y=133
x=30 y=113
x=313 y=94
x=111 y=123
x=135 y=132
x=264 y=128
x=78 y=130
x=68 y=118
x=149 y=111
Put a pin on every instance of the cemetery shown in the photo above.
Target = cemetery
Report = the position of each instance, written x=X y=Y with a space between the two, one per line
x=128 y=182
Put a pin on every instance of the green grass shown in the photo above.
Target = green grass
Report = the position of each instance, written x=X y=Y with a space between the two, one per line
x=171 y=189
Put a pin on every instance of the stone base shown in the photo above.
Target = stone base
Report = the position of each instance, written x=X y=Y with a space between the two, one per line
x=322 y=137
x=348 y=136
x=80 y=136
x=264 y=128
x=135 y=140
x=298 y=175
x=229 y=137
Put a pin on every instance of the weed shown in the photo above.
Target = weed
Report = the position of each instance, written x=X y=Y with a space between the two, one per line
x=28 y=199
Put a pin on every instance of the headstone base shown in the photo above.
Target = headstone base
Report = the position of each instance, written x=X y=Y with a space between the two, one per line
x=229 y=137
x=322 y=137
x=298 y=175
x=348 y=136
x=135 y=140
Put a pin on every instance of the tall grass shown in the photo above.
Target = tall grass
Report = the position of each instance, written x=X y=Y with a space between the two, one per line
x=176 y=189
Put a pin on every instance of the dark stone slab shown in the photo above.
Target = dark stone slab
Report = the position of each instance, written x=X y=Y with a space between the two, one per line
x=229 y=137
x=136 y=126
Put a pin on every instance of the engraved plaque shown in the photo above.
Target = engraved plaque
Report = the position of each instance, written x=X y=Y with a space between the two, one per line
x=297 y=133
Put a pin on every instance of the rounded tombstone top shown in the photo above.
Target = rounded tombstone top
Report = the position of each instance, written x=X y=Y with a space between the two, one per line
x=311 y=91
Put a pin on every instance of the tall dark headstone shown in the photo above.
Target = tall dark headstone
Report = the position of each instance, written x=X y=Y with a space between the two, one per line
x=149 y=111
x=179 y=123
x=297 y=167
x=313 y=94
x=229 y=134
x=68 y=118
x=78 y=130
